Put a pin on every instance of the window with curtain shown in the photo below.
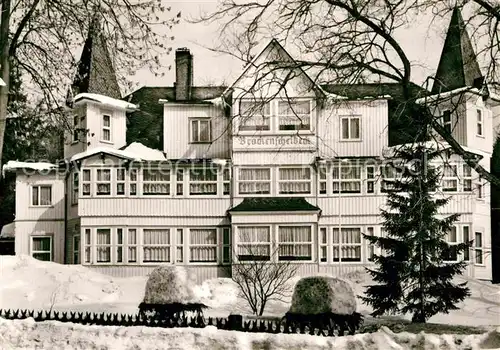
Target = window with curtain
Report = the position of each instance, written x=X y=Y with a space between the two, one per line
x=75 y=188
x=103 y=245
x=156 y=245
x=87 y=245
x=202 y=182
x=294 y=180
x=106 y=128
x=449 y=182
x=467 y=178
x=294 y=115
x=179 y=182
x=201 y=130
x=103 y=182
x=132 y=245
x=226 y=245
x=133 y=182
x=254 y=181
x=41 y=248
x=350 y=128
x=347 y=244
x=466 y=238
x=41 y=195
x=323 y=244
x=120 y=181
x=322 y=178
x=295 y=243
x=226 y=182
x=346 y=178
x=254 y=243
x=478 y=248
x=389 y=174
x=156 y=182
x=370 y=179
x=203 y=245
x=179 y=243
x=255 y=115
x=86 y=182
x=450 y=254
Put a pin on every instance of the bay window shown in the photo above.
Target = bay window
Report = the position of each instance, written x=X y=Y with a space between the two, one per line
x=346 y=179
x=156 y=182
x=254 y=243
x=203 y=245
x=294 y=115
x=254 y=181
x=156 y=245
x=41 y=247
x=202 y=182
x=103 y=245
x=103 y=182
x=294 y=180
x=294 y=243
x=347 y=244
x=255 y=115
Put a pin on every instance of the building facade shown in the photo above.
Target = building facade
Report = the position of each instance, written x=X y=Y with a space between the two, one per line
x=273 y=167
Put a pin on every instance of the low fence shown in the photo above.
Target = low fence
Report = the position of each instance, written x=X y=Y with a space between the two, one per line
x=232 y=322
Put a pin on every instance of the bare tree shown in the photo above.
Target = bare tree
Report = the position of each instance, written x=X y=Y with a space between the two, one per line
x=345 y=42
x=41 y=38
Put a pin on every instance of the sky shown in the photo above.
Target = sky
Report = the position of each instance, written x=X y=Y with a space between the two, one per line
x=422 y=41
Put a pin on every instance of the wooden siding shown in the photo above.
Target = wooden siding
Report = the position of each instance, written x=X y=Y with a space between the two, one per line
x=153 y=207
x=148 y=221
x=273 y=218
x=373 y=125
x=273 y=157
x=24 y=209
x=176 y=124
x=483 y=143
x=94 y=124
x=70 y=147
x=25 y=229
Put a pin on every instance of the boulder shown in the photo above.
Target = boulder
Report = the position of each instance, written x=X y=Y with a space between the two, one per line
x=168 y=284
x=318 y=295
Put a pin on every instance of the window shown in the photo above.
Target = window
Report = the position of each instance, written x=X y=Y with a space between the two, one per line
x=370 y=179
x=350 y=128
x=179 y=182
x=200 y=130
x=347 y=245
x=323 y=244
x=255 y=116
x=322 y=172
x=294 y=243
x=450 y=253
x=76 y=249
x=86 y=184
x=87 y=246
x=479 y=122
x=76 y=124
x=202 y=182
x=41 y=196
x=466 y=239
x=106 y=127
x=478 y=248
x=467 y=178
x=447 y=121
x=179 y=250
x=390 y=174
x=133 y=182
x=120 y=182
x=41 y=247
x=156 y=245
x=132 y=245
x=294 y=180
x=450 y=178
x=103 y=182
x=479 y=188
x=346 y=179
x=156 y=182
x=75 y=188
x=254 y=243
x=254 y=181
x=226 y=182
x=371 y=247
x=119 y=245
x=294 y=115
x=203 y=245
x=103 y=245
x=226 y=245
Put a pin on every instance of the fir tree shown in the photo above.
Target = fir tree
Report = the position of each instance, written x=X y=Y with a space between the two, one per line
x=412 y=273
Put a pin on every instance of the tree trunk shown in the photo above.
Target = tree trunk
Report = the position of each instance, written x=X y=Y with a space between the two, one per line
x=4 y=70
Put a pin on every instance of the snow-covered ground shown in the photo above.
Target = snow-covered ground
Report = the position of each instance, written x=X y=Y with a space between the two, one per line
x=26 y=283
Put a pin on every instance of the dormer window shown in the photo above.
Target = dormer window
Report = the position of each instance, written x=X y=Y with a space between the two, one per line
x=447 y=121
x=479 y=122
x=106 y=128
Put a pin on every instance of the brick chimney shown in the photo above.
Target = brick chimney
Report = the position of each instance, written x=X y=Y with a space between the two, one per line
x=183 y=74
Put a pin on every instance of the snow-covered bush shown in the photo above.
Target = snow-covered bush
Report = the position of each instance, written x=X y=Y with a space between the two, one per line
x=168 y=284
x=322 y=294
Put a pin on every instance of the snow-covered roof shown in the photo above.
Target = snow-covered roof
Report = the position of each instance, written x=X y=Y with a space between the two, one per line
x=8 y=230
x=105 y=100
x=447 y=94
x=135 y=151
x=13 y=165
x=434 y=145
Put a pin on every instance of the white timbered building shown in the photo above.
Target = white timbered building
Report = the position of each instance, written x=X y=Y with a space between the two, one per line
x=277 y=170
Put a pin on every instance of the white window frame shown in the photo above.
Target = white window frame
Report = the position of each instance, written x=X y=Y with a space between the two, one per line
x=108 y=246
x=161 y=172
x=168 y=245
x=87 y=183
x=133 y=181
x=76 y=249
x=452 y=177
x=255 y=182
x=75 y=188
x=447 y=120
x=480 y=189
x=87 y=246
x=451 y=242
x=132 y=248
x=341 y=244
x=294 y=115
x=466 y=255
x=350 y=119
x=105 y=128
x=389 y=177
x=479 y=248
x=341 y=180
x=203 y=181
x=310 y=243
x=264 y=127
x=197 y=138
x=121 y=181
x=76 y=131
x=466 y=178
x=180 y=240
x=193 y=246
x=109 y=182
x=119 y=245
x=51 y=251
x=281 y=182
x=324 y=175
x=226 y=254
x=323 y=244
x=39 y=195
x=254 y=244
x=226 y=181
x=371 y=249
x=479 y=122
x=180 y=174
x=370 y=179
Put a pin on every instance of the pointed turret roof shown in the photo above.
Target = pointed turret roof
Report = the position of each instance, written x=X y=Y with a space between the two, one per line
x=96 y=73
x=458 y=66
